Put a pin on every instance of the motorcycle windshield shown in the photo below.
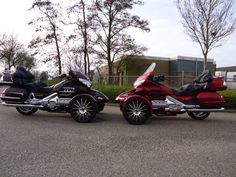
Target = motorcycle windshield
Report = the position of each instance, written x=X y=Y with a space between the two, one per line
x=82 y=77
x=150 y=69
x=141 y=79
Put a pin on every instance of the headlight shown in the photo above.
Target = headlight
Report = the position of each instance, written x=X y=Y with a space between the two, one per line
x=138 y=83
x=86 y=82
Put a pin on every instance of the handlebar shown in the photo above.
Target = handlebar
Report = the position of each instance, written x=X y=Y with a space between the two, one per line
x=61 y=76
x=160 y=78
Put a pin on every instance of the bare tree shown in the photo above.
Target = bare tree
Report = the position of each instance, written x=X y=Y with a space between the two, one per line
x=111 y=19
x=46 y=25
x=12 y=53
x=80 y=17
x=207 y=22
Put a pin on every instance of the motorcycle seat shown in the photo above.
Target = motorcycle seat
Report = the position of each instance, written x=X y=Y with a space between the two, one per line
x=200 y=83
x=24 y=79
x=190 y=89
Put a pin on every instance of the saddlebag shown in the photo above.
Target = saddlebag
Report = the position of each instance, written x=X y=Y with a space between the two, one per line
x=210 y=100
x=14 y=95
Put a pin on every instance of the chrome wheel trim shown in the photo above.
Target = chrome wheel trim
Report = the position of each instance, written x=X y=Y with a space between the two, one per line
x=25 y=109
x=200 y=114
x=137 y=110
x=82 y=108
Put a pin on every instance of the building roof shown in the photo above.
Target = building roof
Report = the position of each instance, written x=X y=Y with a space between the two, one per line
x=143 y=57
x=228 y=68
x=191 y=58
x=166 y=58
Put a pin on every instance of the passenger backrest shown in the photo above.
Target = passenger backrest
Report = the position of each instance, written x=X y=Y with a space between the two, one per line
x=22 y=76
x=206 y=76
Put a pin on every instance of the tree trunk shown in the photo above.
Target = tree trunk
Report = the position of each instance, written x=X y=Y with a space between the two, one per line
x=110 y=73
x=89 y=74
x=84 y=32
x=58 y=51
x=205 y=62
x=85 y=62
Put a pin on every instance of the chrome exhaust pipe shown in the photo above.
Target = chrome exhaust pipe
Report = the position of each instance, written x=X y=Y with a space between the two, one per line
x=204 y=110
x=21 y=105
x=48 y=97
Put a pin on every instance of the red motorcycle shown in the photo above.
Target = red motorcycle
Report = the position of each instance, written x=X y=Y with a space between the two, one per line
x=149 y=96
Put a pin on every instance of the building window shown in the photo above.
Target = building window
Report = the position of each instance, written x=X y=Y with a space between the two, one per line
x=234 y=78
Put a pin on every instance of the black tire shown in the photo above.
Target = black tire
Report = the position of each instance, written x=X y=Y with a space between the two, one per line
x=198 y=115
x=26 y=110
x=136 y=111
x=83 y=109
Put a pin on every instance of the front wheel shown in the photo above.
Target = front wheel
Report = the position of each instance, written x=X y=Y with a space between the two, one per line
x=198 y=115
x=26 y=110
x=83 y=109
x=136 y=111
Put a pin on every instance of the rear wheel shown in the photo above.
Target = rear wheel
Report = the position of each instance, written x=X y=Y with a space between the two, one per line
x=136 y=111
x=199 y=115
x=26 y=110
x=83 y=109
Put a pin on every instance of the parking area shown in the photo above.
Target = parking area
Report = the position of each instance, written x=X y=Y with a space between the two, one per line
x=49 y=144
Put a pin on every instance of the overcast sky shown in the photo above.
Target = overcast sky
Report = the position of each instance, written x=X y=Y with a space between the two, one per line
x=166 y=39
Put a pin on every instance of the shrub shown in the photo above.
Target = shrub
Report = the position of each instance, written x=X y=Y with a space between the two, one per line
x=112 y=91
x=230 y=98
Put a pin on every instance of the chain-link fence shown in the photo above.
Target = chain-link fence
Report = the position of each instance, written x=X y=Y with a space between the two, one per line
x=231 y=83
x=173 y=81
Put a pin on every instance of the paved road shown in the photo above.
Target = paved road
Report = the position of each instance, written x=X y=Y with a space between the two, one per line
x=55 y=145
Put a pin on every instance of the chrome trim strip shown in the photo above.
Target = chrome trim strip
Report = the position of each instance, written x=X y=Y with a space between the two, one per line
x=205 y=110
x=10 y=98
x=21 y=105
x=17 y=93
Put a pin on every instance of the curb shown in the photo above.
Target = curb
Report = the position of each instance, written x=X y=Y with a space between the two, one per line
x=113 y=104
x=230 y=110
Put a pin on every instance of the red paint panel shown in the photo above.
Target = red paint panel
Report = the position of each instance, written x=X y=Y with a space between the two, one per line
x=210 y=100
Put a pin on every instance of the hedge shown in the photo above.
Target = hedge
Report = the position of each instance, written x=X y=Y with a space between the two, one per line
x=230 y=98
x=112 y=91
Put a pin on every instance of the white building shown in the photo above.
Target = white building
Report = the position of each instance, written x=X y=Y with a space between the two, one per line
x=229 y=74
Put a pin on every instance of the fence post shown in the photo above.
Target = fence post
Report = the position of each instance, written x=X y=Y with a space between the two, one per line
x=120 y=79
x=226 y=73
x=182 y=78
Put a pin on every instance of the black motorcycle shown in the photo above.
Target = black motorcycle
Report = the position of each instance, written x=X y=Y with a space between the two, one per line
x=73 y=94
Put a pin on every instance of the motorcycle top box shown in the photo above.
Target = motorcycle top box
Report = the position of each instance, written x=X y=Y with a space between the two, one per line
x=73 y=94
x=150 y=96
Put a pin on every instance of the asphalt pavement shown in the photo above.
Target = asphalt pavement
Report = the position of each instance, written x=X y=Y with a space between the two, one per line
x=49 y=144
